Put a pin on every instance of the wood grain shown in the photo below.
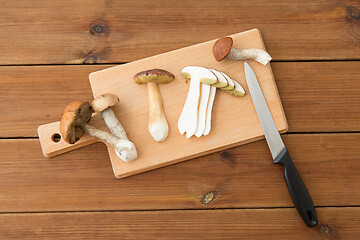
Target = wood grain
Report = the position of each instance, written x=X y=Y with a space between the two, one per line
x=317 y=96
x=234 y=119
x=78 y=31
x=240 y=177
x=320 y=97
x=335 y=223
x=34 y=95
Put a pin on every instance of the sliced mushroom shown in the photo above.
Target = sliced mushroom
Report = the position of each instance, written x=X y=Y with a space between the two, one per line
x=188 y=121
x=158 y=126
x=238 y=91
x=75 y=120
x=189 y=115
x=231 y=85
x=222 y=82
x=103 y=104
x=223 y=49
x=209 y=110
x=204 y=100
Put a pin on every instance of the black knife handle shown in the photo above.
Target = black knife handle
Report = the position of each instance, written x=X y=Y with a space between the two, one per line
x=297 y=189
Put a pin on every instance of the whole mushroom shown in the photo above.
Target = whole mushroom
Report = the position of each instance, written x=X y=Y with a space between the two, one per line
x=158 y=126
x=75 y=120
x=103 y=104
x=223 y=49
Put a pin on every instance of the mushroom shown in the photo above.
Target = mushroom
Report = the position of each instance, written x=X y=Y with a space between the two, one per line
x=233 y=87
x=209 y=110
x=103 y=104
x=237 y=91
x=204 y=100
x=75 y=120
x=223 y=48
x=222 y=82
x=193 y=114
x=158 y=126
x=231 y=84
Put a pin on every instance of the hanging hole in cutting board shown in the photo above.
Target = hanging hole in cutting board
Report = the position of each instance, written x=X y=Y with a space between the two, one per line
x=56 y=137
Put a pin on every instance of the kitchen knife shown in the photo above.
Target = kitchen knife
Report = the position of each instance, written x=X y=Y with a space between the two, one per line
x=280 y=154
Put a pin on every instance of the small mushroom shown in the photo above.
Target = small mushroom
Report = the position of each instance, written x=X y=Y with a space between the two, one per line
x=158 y=126
x=103 y=104
x=75 y=120
x=223 y=48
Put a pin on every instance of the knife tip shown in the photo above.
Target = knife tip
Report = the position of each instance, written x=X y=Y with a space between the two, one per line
x=246 y=67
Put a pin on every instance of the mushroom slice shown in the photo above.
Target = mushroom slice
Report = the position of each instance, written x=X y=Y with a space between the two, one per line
x=234 y=88
x=192 y=100
x=188 y=120
x=231 y=85
x=238 y=91
x=209 y=110
x=222 y=82
x=204 y=100
x=209 y=78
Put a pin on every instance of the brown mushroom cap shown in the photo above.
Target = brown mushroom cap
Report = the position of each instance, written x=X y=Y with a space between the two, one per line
x=104 y=101
x=69 y=130
x=222 y=48
x=154 y=75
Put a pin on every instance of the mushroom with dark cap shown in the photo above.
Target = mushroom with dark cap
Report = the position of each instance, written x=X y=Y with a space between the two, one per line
x=223 y=48
x=75 y=120
x=158 y=126
x=103 y=104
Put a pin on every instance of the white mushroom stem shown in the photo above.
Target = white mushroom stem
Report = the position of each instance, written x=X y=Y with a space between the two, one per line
x=204 y=100
x=187 y=118
x=209 y=110
x=158 y=126
x=249 y=54
x=113 y=123
x=99 y=134
x=118 y=130
x=120 y=145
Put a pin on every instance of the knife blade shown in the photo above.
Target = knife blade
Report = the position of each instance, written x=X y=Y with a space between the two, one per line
x=298 y=192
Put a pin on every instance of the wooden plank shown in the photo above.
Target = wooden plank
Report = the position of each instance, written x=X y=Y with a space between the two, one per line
x=316 y=96
x=240 y=177
x=335 y=223
x=76 y=31
x=320 y=97
x=133 y=114
x=31 y=96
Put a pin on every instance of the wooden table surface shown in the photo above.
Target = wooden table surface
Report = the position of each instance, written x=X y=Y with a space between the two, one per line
x=47 y=50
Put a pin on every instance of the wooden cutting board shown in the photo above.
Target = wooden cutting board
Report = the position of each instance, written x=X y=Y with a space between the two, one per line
x=234 y=120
